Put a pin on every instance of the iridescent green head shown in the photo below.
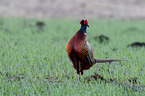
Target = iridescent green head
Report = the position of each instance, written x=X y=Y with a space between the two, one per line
x=84 y=25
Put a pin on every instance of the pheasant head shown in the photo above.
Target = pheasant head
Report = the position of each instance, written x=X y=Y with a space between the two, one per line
x=84 y=25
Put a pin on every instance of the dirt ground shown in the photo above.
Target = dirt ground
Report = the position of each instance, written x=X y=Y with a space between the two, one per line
x=126 y=9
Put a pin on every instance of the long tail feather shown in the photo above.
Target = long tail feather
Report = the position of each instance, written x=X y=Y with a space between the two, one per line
x=108 y=60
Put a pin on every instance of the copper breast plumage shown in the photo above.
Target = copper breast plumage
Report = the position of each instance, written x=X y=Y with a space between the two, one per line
x=77 y=45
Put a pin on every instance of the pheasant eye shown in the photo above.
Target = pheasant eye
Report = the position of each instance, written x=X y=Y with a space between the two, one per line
x=86 y=22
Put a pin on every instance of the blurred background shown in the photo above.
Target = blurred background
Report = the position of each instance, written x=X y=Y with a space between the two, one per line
x=124 y=9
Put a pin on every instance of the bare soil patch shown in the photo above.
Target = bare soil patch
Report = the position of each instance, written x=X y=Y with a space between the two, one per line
x=132 y=9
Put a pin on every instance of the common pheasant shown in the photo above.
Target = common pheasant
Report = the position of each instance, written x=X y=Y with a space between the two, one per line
x=80 y=52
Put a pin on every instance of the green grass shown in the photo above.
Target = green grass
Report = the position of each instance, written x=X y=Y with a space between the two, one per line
x=33 y=61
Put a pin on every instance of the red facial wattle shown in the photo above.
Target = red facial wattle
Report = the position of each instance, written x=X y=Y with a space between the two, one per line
x=85 y=22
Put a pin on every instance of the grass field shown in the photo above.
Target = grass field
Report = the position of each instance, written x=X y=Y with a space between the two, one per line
x=33 y=60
